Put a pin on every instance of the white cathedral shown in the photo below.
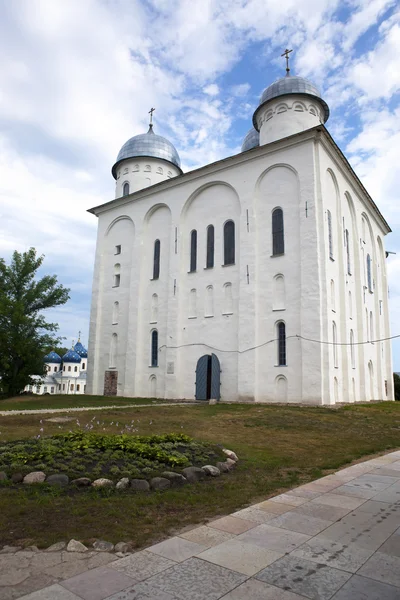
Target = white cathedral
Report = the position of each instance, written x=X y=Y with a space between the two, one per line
x=260 y=277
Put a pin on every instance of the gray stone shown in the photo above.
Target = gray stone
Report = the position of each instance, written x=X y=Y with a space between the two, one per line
x=193 y=474
x=10 y=549
x=230 y=454
x=102 y=546
x=122 y=484
x=17 y=477
x=81 y=482
x=56 y=547
x=212 y=402
x=3 y=476
x=31 y=549
x=123 y=547
x=223 y=467
x=58 y=479
x=34 y=477
x=140 y=485
x=75 y=546
x=176 y=479
x=160 y=483
x=231 y=463
x=103 y=482
x=211 y=470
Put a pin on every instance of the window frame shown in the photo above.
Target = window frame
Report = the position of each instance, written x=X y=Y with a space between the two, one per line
x=278 y=232
x=124 y=193
x=156 y=259
x=193 y=251
x=229 y=243
x=281 y=339
x=330 y=237
x=154 y=348
x=210 y=247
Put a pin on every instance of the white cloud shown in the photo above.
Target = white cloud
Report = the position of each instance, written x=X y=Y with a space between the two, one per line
x=211 y=90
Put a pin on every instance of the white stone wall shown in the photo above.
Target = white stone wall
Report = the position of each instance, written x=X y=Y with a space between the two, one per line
x=142 y=172
x=302 y=178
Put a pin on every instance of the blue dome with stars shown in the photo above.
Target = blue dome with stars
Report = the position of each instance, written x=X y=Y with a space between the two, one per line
x=52 y=357
x=80 y=349
x=71 y=356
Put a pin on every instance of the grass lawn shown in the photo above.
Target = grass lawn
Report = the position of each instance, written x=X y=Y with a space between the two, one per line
x=279 y=447
x=69 y=401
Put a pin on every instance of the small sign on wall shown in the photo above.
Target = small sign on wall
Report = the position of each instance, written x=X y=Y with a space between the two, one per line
x=170 y=368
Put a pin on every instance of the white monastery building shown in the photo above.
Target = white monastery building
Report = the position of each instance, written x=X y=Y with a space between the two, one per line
x=65 y=375
x=260 y=277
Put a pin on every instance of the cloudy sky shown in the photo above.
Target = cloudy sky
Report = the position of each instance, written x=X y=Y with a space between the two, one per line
x=79 y=76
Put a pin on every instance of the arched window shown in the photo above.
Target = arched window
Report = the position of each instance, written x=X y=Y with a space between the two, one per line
x=209 y=303
x=156 y=260
x=228 y=300
x=210 y=247
x=281 y=344
x=369 y=278
x=352 y=354
x=154 y=308
x=193 y=250
x=229 y=243
x=278 y=241
x=334 y=339
x=117 y=275
x=330 y=234
x=115 y=313
x=348 y=251
x=154 y=348
x=126 y=189
x=279 y=295
x=193 y=303
x=113 y=349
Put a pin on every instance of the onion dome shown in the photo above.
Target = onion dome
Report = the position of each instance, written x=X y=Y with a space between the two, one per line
x=150 y=145
x=71 y=357
x=252 y=140
x=80 y=349
x=291 y=84
x=52 y=357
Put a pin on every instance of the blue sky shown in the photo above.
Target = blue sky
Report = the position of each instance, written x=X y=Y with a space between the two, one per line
x=78 y=79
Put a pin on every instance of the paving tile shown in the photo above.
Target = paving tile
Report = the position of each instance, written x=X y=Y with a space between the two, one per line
x=338 y=500
x=387 y=471
x=177 y=549
x=35 y=581
x=133 y=593
x=316 y=581
x=322 y=511
x=193 y=579
x=329 y=552
x=239 y=556
x=304 y=493
x=392 y=545
x=54 y=592
x=273 y=507
x=301 y=523
x=361 y=588
x=358 y=491
x=290 y=499
x=363 y=529
x=252 y=589
x=142 y=565
x=378 y=478
x=254 y=514
x=232 y=525
x=382 y=567
x=391 y=495
x=207 y=536
x=97 y=584
x=273 y=538
x=374 y=507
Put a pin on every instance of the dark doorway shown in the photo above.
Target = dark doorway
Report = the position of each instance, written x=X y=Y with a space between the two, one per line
x=208 y=379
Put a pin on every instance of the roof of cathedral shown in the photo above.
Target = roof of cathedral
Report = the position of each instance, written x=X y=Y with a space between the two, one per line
x=71 y=356
x=251 y=140
x=80 y=349
x=292 y=84
x=148 y=144
x=52 y=357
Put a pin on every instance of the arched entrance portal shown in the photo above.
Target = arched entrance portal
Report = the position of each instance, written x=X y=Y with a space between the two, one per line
x=208 y=378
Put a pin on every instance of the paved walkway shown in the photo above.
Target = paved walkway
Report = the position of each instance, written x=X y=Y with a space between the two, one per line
x=40 y=411
x=337 y=537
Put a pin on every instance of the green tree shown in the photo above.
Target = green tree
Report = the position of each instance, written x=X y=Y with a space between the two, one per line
x=24 y=331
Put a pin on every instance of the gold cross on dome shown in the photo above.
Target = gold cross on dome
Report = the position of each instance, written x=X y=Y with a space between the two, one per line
x=286 y=55
x=151 y=115
x=79 y=336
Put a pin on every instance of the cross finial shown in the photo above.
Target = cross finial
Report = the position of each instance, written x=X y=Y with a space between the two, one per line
x=79 y=336
x=286 y=55
x=151 y=116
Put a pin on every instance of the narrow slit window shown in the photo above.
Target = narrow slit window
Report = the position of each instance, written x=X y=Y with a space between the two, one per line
x=210 y=247
x=229 y=243
x=369 y=277
x=118 y=249
x=156 y=260
x=278 y=241
x=330 y=234
x=348 y=252
x=193 y=250
x=281 y=344
x=126 y=189
x=335 y=350
x=154 y=348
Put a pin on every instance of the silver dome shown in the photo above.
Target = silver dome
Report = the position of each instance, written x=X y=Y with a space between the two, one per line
x=252 y=140
x=148 y=144
x=291 y=84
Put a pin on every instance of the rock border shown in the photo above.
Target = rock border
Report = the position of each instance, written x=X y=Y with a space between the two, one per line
x=168 y=479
